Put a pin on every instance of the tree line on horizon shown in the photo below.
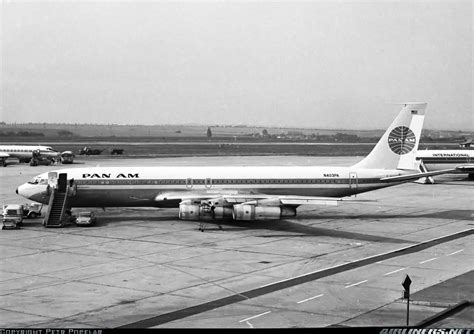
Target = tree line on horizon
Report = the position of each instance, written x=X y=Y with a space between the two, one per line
x=264 y=134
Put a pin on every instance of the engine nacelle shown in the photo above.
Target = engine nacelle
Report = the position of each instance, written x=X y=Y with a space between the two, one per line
x=251 y=212
x=203 y=212
x=188 y=212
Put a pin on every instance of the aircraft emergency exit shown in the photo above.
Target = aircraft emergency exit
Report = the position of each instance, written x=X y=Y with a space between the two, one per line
x=242 y=192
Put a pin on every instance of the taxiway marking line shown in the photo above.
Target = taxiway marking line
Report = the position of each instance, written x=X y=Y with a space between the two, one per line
x=459 y=251
x=348 y=286
x=422 y=245
x=395 y=271
x=311 y=298
x=255 y=316
x=429 y=260
x=300 y=279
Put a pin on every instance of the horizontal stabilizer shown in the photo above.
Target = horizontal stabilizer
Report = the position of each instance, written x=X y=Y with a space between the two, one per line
x=416 y=176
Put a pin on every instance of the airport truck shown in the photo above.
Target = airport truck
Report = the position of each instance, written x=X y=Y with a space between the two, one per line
x=39 y=159
x=12 y=216
x=67 y=157
x=32 y=210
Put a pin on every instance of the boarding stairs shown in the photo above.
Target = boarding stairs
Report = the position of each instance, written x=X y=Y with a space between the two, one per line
x=56 y=209
x=60 y=192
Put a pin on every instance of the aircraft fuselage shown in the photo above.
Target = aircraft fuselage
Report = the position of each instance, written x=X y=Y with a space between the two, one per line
x=145 y=186
x=445 y=159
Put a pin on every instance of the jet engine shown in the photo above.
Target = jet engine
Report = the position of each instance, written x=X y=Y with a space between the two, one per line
x=254 y=212
x=190 y=211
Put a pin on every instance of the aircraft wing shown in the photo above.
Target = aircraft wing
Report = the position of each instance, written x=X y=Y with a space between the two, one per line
x=198 y=195
x=4 y=155
x=285 y=200
x=416 y=176
x=234 y=197
x=466 y=168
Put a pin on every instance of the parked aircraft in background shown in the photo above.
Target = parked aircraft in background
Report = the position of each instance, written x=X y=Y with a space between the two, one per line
x=24 y=153
x=241 y=193
x=433 y=160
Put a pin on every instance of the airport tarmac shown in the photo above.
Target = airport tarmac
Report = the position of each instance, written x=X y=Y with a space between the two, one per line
x=329 y=266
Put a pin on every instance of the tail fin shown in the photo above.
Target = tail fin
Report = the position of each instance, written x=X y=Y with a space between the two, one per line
x=397 y=147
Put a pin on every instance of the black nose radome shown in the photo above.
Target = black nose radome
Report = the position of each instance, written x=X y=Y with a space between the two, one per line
x=16 y=191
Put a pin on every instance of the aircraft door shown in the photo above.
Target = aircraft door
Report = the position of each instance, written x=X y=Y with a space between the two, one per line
x=353 y=181
x=208 y=183
x=53 y=179
x=189 y=183
x=62 y=182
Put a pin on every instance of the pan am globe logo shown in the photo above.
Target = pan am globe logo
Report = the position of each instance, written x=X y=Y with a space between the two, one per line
x=401 y=140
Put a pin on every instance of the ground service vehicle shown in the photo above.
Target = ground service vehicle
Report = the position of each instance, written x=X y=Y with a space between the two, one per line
x=39 y=159
x=86 y=218
x=89 y=151
x=32 y=210
x=116 y=151
x=67 y=157
x=12 y=216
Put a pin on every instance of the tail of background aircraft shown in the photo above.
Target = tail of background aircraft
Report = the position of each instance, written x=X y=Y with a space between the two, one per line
x=397 y=147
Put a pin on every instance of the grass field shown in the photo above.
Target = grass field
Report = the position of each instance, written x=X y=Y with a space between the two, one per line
x=220 y=149
x=190 y=140
x=195 y=132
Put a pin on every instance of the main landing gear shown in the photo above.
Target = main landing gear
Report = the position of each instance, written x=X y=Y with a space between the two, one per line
x=202 y=224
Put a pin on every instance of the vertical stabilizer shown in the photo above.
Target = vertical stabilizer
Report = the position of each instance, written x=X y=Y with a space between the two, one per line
x=397 y=147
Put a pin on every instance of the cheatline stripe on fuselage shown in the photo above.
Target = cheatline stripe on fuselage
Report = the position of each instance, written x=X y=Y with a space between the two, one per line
x=142 y=192
x=217 y=182
x=445 y=160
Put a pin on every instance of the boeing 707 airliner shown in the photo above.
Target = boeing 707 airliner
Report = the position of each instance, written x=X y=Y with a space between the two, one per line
x=244 y=192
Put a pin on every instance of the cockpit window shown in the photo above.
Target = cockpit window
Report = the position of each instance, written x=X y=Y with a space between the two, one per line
x=38 y=180
x=34 y=180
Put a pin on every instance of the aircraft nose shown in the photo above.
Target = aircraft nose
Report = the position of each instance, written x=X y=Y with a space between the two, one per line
x=30 y=191
x=22 y=190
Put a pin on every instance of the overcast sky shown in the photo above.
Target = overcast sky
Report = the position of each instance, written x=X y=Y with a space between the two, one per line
x=306 y=64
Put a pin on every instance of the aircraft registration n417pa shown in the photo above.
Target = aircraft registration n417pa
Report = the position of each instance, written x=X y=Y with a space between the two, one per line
x=241 y=192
